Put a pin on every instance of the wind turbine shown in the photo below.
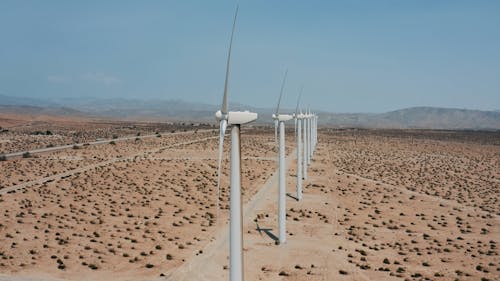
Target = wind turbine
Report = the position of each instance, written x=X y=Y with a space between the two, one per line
x=235 y=119
x=298 y=136
x=280 y=120
x=312 y=134
x=309 y=136
x=305 y=150
x=315 y=131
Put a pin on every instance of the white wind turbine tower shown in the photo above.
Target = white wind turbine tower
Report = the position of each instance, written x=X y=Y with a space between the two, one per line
x=313 y=133
x=235 y=119
x=280 y=120
x=309 y=136
x=298 y=136
x=315 y=139
x=305 y=150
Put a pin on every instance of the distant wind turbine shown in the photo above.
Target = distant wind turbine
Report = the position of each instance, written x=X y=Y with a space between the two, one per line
x=309 y=135
x=299 y=117
x=280 y=120
x=306 y=145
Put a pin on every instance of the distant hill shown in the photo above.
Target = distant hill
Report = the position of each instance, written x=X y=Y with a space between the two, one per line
x=178 y=110
x=418 y=118
x=444 y=118
x=37 y=110
x=10 y=100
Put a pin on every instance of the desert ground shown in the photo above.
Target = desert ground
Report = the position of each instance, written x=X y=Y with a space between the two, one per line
x=377 y=205
x=19 y=132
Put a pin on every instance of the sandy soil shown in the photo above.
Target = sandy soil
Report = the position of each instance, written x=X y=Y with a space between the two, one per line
x=19 y=132
x=131 y=218
x=376 y=206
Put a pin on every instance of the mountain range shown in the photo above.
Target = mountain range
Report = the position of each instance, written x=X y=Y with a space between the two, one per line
x=178 y=110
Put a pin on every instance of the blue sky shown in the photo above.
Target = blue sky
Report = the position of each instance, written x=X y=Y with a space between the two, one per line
x=351 y=56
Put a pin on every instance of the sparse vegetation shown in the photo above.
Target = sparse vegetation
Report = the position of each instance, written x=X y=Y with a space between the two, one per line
x=138 y=210
x=283 y=273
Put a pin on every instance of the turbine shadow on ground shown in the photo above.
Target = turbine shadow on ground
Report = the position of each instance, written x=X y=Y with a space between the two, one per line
x=293 y=197
x=267 y=231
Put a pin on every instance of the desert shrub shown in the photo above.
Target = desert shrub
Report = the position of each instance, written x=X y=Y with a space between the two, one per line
x=93 y=266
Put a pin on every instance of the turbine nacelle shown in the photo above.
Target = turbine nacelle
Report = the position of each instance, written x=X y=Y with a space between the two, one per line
x=236 y=117
x=282 y=117
x=299 y=116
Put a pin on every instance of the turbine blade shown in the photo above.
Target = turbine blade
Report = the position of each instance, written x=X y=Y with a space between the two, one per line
x=222 y=131
x=224 y=108
x=298 y=100
x=281 y=92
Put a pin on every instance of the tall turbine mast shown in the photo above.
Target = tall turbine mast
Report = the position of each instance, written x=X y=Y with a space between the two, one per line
x=280 y=119
x=309 y=134
x=315 y=139
x=304 y=151
x=235 y=119
x=298 y=136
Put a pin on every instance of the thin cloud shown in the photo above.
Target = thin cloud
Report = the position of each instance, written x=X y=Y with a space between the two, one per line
x=57 y=78
x=99 y=77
